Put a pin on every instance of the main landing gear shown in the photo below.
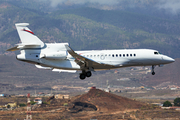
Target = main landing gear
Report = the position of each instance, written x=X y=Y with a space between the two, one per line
x=85 y=74
x=152 y=71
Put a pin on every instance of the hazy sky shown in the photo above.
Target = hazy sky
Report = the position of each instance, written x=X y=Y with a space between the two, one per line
x=171 y=5
x=109 y=2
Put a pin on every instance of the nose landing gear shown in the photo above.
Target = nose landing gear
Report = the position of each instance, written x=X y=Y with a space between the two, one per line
x=152 y=71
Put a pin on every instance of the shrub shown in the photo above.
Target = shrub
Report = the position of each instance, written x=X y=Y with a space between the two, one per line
x=45 y=103
x=177 y=102
x=32 y=102
x=65 y=104
x=22 y=105
x=167 y=104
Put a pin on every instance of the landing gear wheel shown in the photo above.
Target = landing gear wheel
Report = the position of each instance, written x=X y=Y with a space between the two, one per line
x=153 y=73
x=88 y=74
x=153 y=66
x=82 y=76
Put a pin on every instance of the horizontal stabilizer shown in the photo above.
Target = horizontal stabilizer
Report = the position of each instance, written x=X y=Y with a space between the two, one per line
x=13 y=48
x=28 y=44
x=21 y=46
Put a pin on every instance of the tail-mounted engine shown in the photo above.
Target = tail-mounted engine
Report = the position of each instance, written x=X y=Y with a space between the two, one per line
x=55 y=55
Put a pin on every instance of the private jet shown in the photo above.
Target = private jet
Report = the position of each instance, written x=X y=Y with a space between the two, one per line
x=62 y=58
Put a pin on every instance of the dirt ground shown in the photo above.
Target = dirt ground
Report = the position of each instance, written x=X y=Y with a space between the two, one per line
x=87 y=115
x=94 y=105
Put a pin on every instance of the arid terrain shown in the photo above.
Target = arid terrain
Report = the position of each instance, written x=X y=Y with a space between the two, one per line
x=132 y=93
x=96 y=104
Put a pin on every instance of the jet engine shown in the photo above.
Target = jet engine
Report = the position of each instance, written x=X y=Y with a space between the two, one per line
x=55 y=55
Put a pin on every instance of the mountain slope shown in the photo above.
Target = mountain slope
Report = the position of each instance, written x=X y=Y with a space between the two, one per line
x=139 y=31
x=89 y=28
x=129 y=21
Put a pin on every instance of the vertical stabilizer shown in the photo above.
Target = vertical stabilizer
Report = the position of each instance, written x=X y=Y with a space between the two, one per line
x=27 y=37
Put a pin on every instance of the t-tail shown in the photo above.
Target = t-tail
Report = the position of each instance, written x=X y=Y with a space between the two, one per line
x=27 y=37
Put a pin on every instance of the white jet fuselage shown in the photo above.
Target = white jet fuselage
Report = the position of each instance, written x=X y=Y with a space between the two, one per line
x=60 y=57
x=56 y=56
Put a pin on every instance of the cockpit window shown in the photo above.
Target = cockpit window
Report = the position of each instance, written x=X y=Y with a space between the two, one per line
x=156 y=53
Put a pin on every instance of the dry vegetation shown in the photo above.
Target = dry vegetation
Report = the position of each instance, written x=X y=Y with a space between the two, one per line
x=108 y=106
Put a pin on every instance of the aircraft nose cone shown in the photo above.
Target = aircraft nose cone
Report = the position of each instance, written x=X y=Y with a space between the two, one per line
x=168 y=59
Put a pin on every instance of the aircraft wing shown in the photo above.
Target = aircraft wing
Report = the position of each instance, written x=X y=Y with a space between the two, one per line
x=61 y=70
x=41 y=67
x=54 y=69
x=83 y=61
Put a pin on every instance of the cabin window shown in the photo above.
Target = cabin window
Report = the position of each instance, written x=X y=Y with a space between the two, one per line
x=131 y=55
x=112 y=55
x=36 y=55
x=123 y=55
x=87 y=55
x=91 y=56
x=127 y=55
x=119 y=55
x=105 y=54
x=94 y=55
x=116 y=55
x=156 y=53
x=97 y=55
x=134 y=54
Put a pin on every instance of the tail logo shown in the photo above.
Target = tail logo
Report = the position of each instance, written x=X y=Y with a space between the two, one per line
x=28 y=31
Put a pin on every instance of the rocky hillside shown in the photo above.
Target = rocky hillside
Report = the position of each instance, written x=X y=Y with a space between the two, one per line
x=108 y=102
